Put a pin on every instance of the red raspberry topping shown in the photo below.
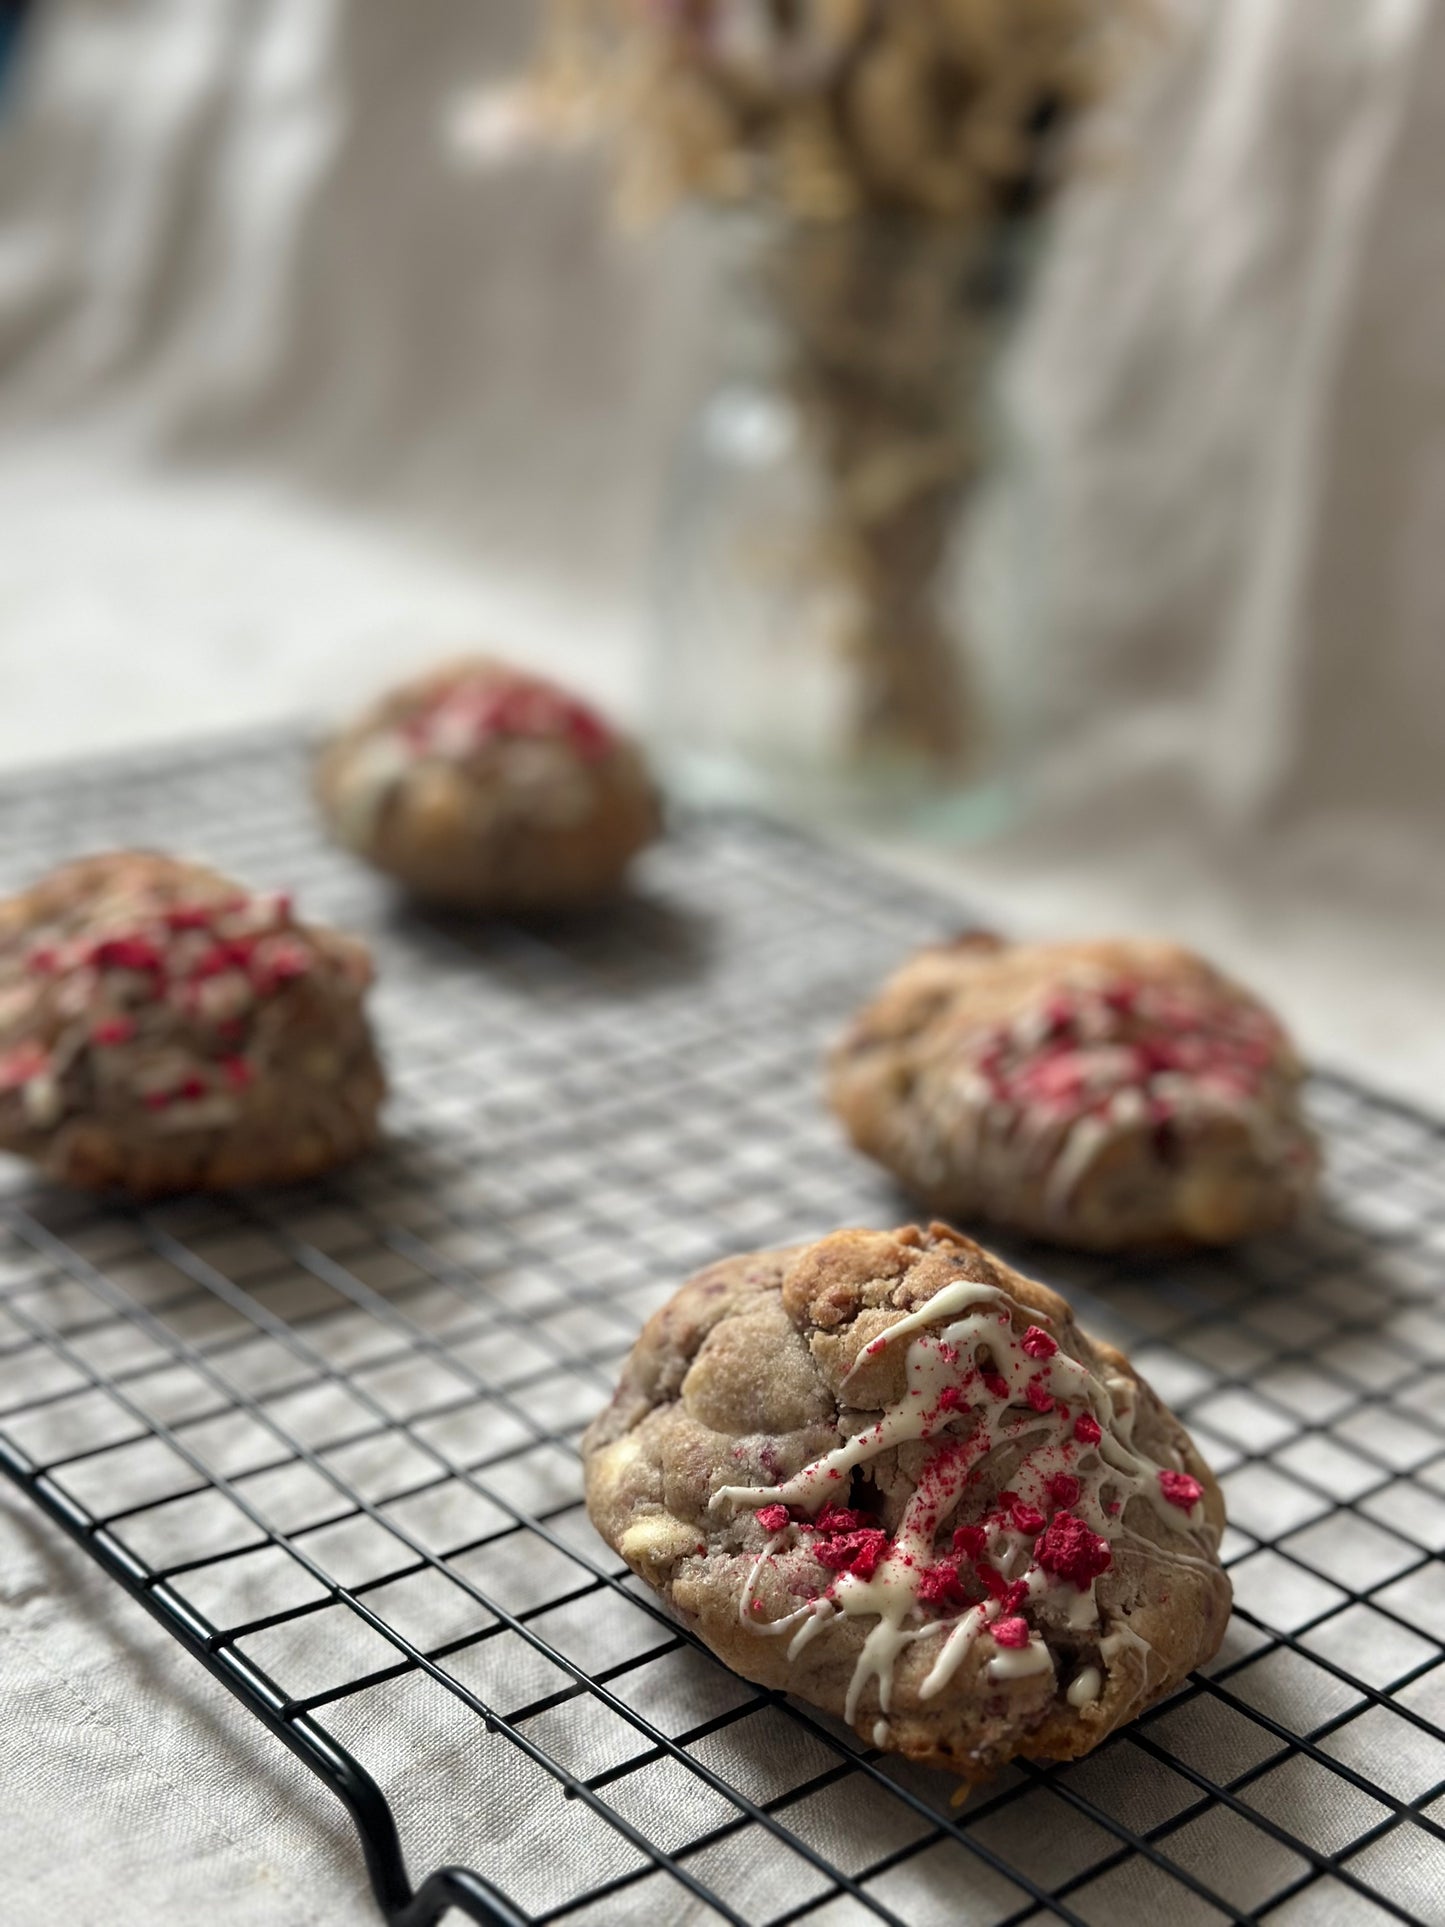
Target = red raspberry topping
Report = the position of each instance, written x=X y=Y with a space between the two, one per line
x=1008 y=1594
x=229 y=953
x=484 y=708
x=970 y=1541
x=126 y=953
x=1064 y=1489
x=1055 y=1079
x=1010 y=1632
x=1077 y=1051
x=1038 y=1344
x=855 y=1552
x=1026 y=1518
x=1181 y=1490
x=113 y=1030
x=282 y=963
x=996 y=1383
x=772 y=1518
x=941 y=1586
x=1071 y=1551
x=952 y=1398
x=1041 y=1400
x=838 y=1518
x=237 y=1072
x=1086 y=1429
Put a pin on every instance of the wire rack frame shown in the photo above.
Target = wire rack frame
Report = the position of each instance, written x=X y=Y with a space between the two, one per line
x=328 y=1437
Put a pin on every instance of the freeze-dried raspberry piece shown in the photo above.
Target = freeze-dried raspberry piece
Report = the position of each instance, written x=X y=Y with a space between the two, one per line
x=941 y=1586
x=855 y=1552
x=1181 y=1490
x=1026 y=1518
x=1070 y=1550
x=838 y=1518
x=1009 y=1594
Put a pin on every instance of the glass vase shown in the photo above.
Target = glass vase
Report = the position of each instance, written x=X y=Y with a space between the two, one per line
x=815 y=652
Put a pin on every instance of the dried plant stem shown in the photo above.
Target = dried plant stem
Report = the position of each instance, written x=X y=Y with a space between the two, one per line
x=886 y=328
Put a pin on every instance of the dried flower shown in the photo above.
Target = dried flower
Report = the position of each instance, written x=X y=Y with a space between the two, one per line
x=832 y=108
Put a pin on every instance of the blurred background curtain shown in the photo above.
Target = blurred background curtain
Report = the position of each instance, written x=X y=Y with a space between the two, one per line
x=238 y=227
x=236 y=235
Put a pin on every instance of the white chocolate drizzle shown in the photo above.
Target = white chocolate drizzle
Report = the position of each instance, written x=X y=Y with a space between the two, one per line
x=976 y=1388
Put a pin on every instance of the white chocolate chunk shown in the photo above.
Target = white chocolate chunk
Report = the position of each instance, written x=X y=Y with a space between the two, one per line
x=1085 y=1686
x=43 y=1101
x=657 y=1540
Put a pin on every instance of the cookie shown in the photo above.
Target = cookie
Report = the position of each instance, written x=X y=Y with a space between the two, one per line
x=164 y=1029
x=1113 y=1096
x=482 y=788
x=890 y=1475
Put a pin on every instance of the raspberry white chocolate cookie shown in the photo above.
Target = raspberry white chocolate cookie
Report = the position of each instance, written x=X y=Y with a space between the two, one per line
x=889 y=1474
x=483 y=788
x=1111 y=1095
x=164 y=1029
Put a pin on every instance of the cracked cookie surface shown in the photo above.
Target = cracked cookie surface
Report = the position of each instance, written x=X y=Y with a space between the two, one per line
x=891 y=1475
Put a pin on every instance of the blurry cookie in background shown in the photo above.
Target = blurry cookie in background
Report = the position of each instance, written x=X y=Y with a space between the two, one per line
x=1110 y=1095
x=482 y=787
x=164 y=1029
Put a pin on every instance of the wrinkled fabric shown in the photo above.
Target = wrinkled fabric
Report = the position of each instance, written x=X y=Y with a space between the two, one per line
x=1232 y=410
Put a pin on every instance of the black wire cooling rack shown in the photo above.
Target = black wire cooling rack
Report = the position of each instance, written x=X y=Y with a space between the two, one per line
x=328 y=1437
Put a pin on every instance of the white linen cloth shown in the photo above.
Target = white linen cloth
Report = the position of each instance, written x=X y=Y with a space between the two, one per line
x=288 y=396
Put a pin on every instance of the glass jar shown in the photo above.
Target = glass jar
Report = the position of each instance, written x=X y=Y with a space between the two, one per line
x=815 y=652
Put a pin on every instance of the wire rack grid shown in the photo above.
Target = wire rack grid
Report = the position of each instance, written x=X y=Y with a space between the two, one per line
x=328 y=1437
